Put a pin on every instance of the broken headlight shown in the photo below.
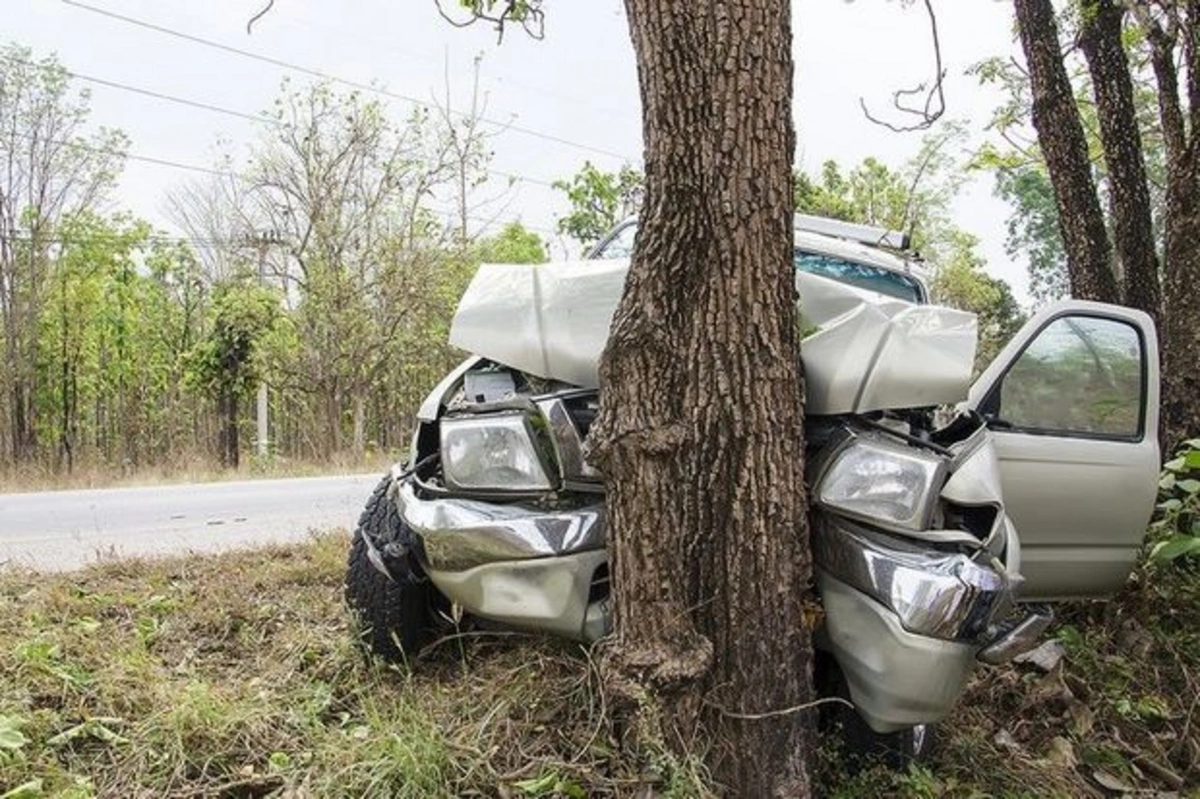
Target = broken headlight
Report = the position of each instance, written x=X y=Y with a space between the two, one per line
x=889 y=484
x=491 y=453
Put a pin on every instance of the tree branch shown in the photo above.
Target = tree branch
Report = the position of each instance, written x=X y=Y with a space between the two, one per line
x=935 y=98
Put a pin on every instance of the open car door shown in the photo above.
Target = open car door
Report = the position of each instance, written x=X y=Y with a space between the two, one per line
x=1072 y=403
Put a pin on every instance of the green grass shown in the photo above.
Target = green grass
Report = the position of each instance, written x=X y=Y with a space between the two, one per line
x=237 y=676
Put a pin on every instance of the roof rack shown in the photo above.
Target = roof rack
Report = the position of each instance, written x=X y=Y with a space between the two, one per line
x=864 y=234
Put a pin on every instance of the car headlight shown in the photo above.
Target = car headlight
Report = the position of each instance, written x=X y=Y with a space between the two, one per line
x=886 y=483
x=495 y=453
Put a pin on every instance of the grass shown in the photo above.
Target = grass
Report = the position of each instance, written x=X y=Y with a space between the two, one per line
x=237 y=676
x=196 y=469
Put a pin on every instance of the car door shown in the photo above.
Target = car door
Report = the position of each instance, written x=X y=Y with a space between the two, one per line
x=1072 y=402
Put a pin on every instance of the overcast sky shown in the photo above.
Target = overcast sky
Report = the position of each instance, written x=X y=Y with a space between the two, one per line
x=573 y=96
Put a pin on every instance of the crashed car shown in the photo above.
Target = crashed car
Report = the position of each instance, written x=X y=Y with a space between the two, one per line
x=943 y=507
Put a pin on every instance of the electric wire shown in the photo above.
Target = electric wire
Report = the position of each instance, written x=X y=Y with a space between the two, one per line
x=321 y=74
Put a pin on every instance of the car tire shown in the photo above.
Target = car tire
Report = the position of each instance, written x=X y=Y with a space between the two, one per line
x=394 y=617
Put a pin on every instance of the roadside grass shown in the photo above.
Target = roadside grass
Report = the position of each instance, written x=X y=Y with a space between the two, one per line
x=237 y=676
x=194 y=469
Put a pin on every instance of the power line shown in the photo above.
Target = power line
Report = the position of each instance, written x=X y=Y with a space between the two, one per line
x=334 y=78
x=112 y=84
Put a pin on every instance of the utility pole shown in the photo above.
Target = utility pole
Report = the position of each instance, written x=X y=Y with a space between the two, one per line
x=262 y=242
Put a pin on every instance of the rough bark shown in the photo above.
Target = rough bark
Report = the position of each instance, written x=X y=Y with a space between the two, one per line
x=1060 y=134
x=700 y=434
x=1129 y=191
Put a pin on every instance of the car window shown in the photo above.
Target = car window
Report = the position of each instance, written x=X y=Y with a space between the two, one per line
x=1080 y=375
x=872 y=278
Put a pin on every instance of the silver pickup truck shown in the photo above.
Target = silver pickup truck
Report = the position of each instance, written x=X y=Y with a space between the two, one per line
x=943 y=507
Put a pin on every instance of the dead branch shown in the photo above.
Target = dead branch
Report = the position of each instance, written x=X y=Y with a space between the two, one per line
x=935 y=99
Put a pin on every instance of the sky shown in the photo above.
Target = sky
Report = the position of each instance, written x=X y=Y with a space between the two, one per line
x=555 y=103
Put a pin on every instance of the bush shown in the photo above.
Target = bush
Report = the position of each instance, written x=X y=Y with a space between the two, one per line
x=1177 y=528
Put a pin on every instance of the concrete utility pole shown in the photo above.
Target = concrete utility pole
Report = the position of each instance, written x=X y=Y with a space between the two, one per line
x=262 y=242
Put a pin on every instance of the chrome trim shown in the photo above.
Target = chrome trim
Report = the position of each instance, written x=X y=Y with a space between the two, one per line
x=568 y=445
x=1019 y=639
x=459 y=534
x=943 y=595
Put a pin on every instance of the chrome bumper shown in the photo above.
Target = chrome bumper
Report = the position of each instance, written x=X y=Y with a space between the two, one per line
x=460 y=534
x=941 y=595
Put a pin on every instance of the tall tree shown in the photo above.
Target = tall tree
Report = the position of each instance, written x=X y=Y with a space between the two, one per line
x=1173 y=29
x=49 y=169
x=700 y=433
x=1103 y=45
x=1060 y=133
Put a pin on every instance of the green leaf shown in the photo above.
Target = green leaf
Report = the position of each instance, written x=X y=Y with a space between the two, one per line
x=1175 y=547
x=1188 y=486
x=27 y=790
x=1175 y=465
x=1192 y=459
x=1174 y=503
x=11 y=736
x=1166 y=482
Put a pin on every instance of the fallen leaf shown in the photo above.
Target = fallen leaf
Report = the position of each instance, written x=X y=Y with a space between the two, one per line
x=1045 y=657
x=1112 y=783
x=1062 y=753
x=1082 y=718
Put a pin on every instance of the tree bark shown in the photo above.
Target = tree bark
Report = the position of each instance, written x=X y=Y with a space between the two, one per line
x=700 y=434
x=1129 y=191
x=1060 y=134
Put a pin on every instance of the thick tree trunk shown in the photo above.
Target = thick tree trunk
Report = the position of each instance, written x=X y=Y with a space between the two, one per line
x=1129 y=191
x=1060 y=134
x=1180 y=330
x=700 y=434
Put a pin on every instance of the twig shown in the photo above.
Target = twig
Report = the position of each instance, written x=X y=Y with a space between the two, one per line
x=929 y=113
x=826 y=700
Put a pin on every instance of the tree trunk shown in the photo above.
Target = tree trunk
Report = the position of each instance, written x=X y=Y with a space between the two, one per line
x=1129 y=191
x=700 y=434
x=1060 y=134
x=1181 y=326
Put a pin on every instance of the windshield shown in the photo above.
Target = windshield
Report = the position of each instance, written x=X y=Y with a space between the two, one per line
x=872 y=278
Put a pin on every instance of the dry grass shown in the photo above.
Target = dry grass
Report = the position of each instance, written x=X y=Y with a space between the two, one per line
x=34 y=477
x=237 y=676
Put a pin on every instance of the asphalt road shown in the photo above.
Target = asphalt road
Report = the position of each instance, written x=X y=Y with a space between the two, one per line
x=58 y=530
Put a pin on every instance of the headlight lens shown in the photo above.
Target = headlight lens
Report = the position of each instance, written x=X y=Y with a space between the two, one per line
x=879 y=481
x=491 y=453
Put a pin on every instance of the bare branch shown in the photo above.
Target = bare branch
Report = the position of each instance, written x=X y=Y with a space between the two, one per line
x=935 y=98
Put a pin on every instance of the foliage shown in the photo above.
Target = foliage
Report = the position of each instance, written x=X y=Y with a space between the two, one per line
x=1177 y=528
x=1032 y=229
x=961 y=283
x=230 y=358
x=599 y=200
x=54 y=169
x=515 y=244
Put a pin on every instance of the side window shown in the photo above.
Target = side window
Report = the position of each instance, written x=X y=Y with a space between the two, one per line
x=1081 y=375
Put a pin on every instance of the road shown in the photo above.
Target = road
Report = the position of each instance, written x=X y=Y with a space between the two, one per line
x=59 y=530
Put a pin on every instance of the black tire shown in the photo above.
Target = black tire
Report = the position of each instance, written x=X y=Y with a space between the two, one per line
x=395 y=618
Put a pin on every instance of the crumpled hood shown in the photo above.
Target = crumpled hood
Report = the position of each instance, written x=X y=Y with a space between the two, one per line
x=870 y=352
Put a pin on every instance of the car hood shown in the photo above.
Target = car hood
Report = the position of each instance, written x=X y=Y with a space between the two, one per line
x=869 y=352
